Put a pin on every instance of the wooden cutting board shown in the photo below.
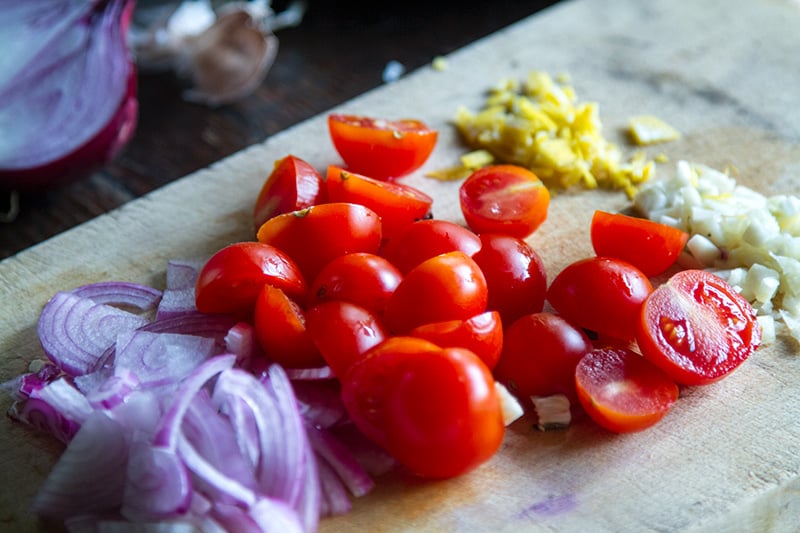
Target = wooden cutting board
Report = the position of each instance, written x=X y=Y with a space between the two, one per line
x=727 y=74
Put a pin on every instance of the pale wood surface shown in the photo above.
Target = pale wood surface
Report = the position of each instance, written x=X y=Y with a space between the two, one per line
x=728 y=456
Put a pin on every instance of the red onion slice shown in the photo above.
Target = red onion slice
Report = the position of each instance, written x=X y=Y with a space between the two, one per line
x=120 y=293
x=75 y=332
x=341 y=461
x=157 y=484
x=160 y=358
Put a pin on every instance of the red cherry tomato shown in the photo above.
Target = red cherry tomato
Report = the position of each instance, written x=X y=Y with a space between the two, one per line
x=649 y=246
x=601 y=294
x=281 y=331
x=425 y=239
x=381 y=148
x=446 y=287
x=343 y=332
x=482 y=334
x=397 y=204
x=622 y=391
x=504 y=199
x=292 y=185
x=540 y=353
x=361 y=278
x=514 y=274
x=697 y=328
x=436 y=410
x=314 y=236
x=230 y=281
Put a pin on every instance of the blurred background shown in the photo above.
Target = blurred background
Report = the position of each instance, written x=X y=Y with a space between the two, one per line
x=339 y=50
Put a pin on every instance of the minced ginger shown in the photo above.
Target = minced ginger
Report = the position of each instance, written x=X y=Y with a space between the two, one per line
x=541 y=125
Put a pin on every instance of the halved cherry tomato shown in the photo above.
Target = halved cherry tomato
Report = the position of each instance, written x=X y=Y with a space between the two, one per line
x=601 y=294
x=230 y=281
x=481 y=334
x=622 y=391
x=292 y=185
x=343 y=332
x=697 y=328
x=446 y=287
x=514 y=275
x=649 y=246
x=314 y=236
x=425 y=239
x=281 y=330
x=504 y=199
x=540 y=353
x=397 y=204
x=381 y=148
x=436 y=410
x=361 y=278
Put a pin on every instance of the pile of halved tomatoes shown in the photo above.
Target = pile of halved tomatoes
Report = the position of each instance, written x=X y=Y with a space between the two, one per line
x=417 y=317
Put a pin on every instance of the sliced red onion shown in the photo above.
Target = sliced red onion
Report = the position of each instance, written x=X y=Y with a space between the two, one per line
x=114 y=390
x=160 y=358
x=140 y=413
x=75 y=332
x=335 y=496
x=241 y=341
x=45 y=418
x=157 y=484
x=120 y=293
x=275 y=516
x=22 y=386
x=176 y=302
x=89 y=477
x=69 y=401
x=320 y=402
x=310 y=374
x=337 y=456
x=68 y=87
x=182 y=273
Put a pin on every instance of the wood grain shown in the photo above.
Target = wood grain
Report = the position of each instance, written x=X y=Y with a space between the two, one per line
x=727 y=458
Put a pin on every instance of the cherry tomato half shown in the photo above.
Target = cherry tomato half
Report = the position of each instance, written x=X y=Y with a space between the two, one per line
x=361 y=278
x=381 y=148
x=697 y=328
x=436 y=410
x=481 y=334
x=540 y=353
x=343 y=332
x=622 y=391
x=397 y=204
x=514 y=274
x=446 y=287
x=314 y=236
x=292 y=185
x=425 y=239
x=231 y=280
x=281 y=330
x=504 y=199
x=649 y=246
x=601 y=294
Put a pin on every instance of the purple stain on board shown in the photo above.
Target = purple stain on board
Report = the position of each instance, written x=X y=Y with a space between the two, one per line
x=552 y=505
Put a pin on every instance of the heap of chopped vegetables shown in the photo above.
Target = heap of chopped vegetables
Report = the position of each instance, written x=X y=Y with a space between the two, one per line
x=541 y=125
x=751 y=240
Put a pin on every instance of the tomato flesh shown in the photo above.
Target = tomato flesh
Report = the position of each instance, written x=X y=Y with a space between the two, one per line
x=697 y=328
x=601 y=294
x=292 y=185
x=436 y=410
x=649 y=246
x=380 y=148
x=622 y=391
x=504 y=199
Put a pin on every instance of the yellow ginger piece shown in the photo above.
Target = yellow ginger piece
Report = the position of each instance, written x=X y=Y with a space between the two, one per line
x=647 y=129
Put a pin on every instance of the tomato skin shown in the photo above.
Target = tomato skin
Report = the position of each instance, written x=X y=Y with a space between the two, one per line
x=428 y=238
x=343 y=332
x=504 y=199
x=361 y=278
x=379 y=148
x=481 y=334
x=314 y=236
x=515 y=275
x=623 y=392
x=281 y=330
x=601 y=294
x=292 y=185
x=649 y=246
x=231 y=280
x=395 y=203
x=540 y=353
x=434 y=409
x=449 y=286
x=697 y=328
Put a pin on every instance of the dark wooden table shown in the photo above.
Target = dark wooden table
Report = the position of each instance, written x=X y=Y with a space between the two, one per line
x=338 y=51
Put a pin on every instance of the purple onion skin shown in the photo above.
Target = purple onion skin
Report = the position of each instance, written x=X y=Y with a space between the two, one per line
x=96 y=152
